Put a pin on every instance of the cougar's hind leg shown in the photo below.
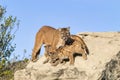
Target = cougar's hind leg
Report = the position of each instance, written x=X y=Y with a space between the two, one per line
x=84 y=54
x=71 y=58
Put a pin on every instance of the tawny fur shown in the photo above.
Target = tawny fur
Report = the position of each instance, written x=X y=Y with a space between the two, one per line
x=49 y=36
x=78 y=46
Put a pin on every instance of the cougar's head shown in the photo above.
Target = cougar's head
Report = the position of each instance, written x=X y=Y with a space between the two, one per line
x=53 y=56
x=64 y=33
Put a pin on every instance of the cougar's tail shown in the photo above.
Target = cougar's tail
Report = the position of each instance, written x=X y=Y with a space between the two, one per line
x=86 y=48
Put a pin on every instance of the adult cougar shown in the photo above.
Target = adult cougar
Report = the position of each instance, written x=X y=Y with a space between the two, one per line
x=50 y=36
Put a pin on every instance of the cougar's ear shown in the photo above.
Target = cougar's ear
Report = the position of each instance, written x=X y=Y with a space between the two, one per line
x=68 y=28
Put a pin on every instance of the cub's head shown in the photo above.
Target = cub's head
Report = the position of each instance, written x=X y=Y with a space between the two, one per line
x=52 y=54
x=64 y=33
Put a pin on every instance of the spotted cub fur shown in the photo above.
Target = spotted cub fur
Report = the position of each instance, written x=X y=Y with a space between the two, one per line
x=67 y=51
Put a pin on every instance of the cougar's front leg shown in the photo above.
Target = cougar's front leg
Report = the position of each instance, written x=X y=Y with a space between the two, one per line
x=36 y=49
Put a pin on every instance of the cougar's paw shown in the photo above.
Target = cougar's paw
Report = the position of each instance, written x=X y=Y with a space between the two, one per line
x=55 y=63
x=34 y=60
x=46 y=61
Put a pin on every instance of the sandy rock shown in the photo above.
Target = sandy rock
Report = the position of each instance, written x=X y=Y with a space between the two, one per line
x=112 y=69
x=103 y=46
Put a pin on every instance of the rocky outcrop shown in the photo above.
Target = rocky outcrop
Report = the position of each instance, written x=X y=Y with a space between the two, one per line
x=112 y=69
x=101 y=64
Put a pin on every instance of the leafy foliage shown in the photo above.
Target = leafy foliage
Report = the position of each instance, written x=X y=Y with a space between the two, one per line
x=7 y=33
x=7 y=26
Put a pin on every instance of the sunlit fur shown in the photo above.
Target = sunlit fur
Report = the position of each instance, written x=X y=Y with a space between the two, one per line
x=49 y=36
x=78 y=46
